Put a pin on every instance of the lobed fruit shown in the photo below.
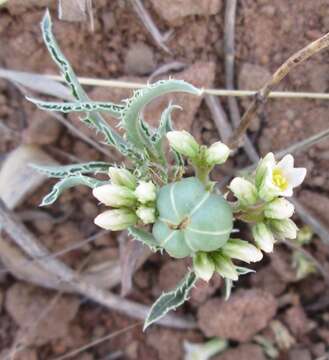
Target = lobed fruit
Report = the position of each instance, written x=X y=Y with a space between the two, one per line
x=191 y=219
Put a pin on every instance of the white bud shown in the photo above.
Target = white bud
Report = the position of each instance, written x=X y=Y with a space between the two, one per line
x=203 y=266
x=184 y=143
x=279 y=208
x=114 y=195
x=116 y=220
x=241 y=250
x=146 y=214
x=263 y=236
x=264 y=164
x=284 y=229
x=217 y=153
x=122 y=177
x=145 y=192
x=224 y=266
x=244 y=191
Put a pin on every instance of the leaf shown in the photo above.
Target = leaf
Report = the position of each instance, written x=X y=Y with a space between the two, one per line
x=37 y=83
x=80 y=106
x=171 y=300
x=67 y=183
x=145 y=237
x=73 y=169
x=141 y=97
x=93 y=119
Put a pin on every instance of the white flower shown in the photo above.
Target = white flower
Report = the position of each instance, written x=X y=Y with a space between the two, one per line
x=217 y=153
x=114 y=195
x=263 y=236
x=279 y=208
x=116 y=220
x=203 y=266
x=278 y=179
x=184 y=143
x=145 y=192
x=284 y=229
x=244 y=191
x=241 y=250
x=122 y=177
x=146 y=214
x=224 y=266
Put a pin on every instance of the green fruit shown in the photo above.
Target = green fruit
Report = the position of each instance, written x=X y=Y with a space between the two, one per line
x=191 y=219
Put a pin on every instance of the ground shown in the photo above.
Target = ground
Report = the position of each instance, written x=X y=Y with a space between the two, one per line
x=271 y=304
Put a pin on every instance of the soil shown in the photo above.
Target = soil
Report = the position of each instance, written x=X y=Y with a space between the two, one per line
x=120 y=47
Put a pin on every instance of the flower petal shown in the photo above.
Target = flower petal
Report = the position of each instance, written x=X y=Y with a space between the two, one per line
x=288 y=192
x=295 y=176
x=286 y=163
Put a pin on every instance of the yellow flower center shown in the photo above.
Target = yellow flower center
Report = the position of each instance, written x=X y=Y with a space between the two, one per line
x=279 y=180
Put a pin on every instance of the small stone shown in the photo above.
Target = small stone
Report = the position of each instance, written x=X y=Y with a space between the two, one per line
x=299 y=354
x=139 y=59
x=25 y=303
x=42 y=130
x=267 y=279
x=252 y=76
x=171 y=274
x=169 y=343
x=240 y=318
x=171 y=11
x=25 y=354
x=297 y=321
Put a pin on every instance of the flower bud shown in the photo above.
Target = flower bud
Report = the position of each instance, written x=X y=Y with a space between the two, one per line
x=114 y=195
x=145 y=192
x=279 y=208
x=217 y=153
x=203 y=266
x=146 y=214
x=263 y=236
x=263 y=167
x=284 y=229
x=122 y=177
x=224 y=266
x=244 y=191
x=115 y=220
x=242 y=250
x=184 y=143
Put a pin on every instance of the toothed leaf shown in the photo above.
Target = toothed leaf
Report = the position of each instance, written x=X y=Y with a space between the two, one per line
x=171 y=300
x=81 y=106
x=141 y=97
x=67 y=183
x=73 y=169
x=144 y=237
x=93 y=119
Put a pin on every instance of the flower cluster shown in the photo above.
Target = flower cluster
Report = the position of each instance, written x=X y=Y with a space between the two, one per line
x=185 y=144
x=132 y=201
x=261 y=200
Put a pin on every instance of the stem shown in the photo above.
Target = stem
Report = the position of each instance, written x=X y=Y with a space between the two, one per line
x=261 y=97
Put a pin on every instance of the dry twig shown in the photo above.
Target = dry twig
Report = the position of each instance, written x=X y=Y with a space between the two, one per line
x=22 y=236
x=229 y=31
x=159 y=38
x=261 y=97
